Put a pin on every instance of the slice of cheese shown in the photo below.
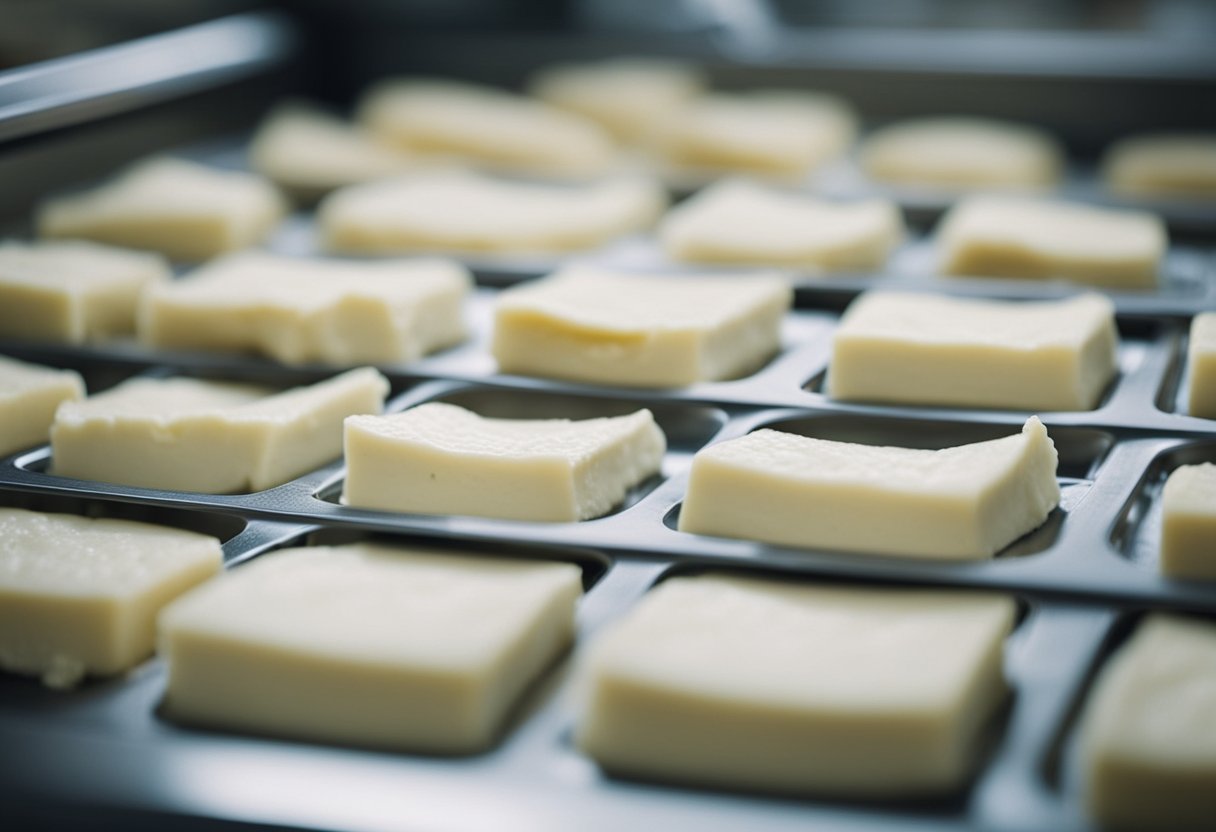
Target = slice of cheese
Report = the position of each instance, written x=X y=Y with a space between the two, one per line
x=742 y=223
x=214 y=437
x=956 y=152
x=962 y=503
x=1188 y=523
x=1165 y=164
x=756 y=684
x=609 y=327
x=1148 y=736
x=72 y=291
x=930 y=350
x=1201 y=367
x=80 y=595
x=308 y=310
x=464 y=212
x=437 y=458
x=29 y=396
x=184 y=210
x=485 y=126
x=992 y=236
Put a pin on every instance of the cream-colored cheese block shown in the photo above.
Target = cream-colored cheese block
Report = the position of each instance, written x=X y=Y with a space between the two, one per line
x=368 y=644
x=72 y=291
x=184 y=210
x=29 y=396
x=80 y=595
x=934 y=350
x=993 y=236
x=488 y=127
x=309 y=152
x=626 y=96
x=308 y=310
x=956 y=152
x=1148 y=736
x=757 y=684
x=741 y=223
x=962 y=503
x=607 y=327
x=214 y=437
x=437 y=458
x=1188 y=523
x=1168 y=164
x=767 y=133
x=1201 y=367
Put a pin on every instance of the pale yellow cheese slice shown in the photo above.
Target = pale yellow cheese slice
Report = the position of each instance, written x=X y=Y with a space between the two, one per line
x=1188 y=523
x=29 y=396
x=1163 y=164
x=1201 y=367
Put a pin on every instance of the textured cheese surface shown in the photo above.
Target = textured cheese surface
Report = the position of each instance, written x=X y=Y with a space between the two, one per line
x=1178 y=164
x=430 y=649
x=29 y=396
x=927 y=349
x=965 y=502
x=882 y=692
x=79 y=595
x=465 y=212
x=72 y=290
x=1188 y=523
x=1020 y=237
x=184 y=210
x=1201 y=367
x=744 y=223
x=962 y=153
x=1148 y=734
x=438 y=458
x=308 y=310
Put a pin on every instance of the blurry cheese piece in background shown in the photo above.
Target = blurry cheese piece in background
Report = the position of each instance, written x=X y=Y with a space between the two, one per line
x=741 y=223
x=956 y=152
x=29 y=396
x=1201 y=367
x=1148 y=737
x=184 y=210
x=626 y=96
x=1167 y=165
x=486 y=127
x=438 y=458
x=310 y=152
x=996 y=236
x=367 y=644
x=931 y=350
x=308 y=310
x=608 y=327
x=80 y=595
x=465 y=212
x=962 y=503
x=782 y=687
x=72 y=291
x=209 y=436
x=1188 y=523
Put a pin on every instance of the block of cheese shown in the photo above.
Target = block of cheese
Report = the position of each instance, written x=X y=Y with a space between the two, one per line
x=1201 y=367
x=491 y=128
x=626 y=96
x=309 y=310
x=309 y=152
x=1148 y=739
x=993 y=236
x=606 y=327
x=741 y=223
x=368 y=644
x=464 y=212
x=962 y=503
x=935 y=350
x=438 y=458
x=72 y=291
x=763 y=685
x=29 y=396
x=1188 y=523
x=1167 y=164
x=184 y=210
x=767 y=133
x=955 y=152
x=80 y=595
x=215 y=437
